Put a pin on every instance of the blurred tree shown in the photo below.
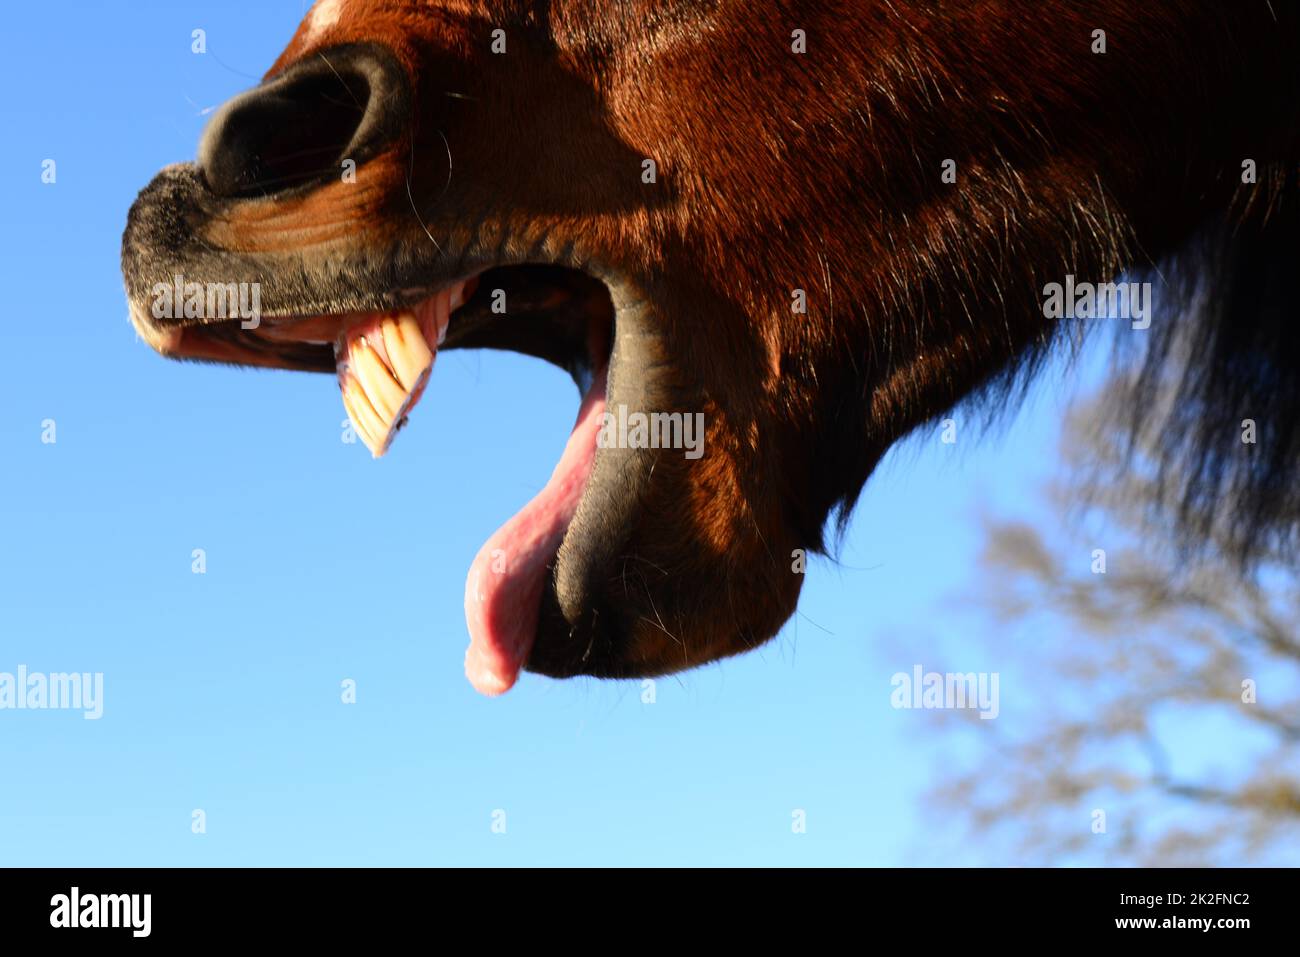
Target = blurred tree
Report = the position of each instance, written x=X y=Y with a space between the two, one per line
x=1151 y=715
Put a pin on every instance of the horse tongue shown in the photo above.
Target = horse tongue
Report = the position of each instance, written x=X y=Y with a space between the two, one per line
x=384 y=361
x=503 y=591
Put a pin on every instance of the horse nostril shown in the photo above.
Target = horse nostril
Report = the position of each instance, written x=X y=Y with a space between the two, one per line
x=300 y=126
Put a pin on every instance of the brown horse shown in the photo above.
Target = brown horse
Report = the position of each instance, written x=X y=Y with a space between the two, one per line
x=817 y=225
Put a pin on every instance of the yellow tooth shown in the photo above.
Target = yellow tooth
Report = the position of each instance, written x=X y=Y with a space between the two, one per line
x=357 y=421
x=386 y=395
x=407 y=350
x=365 y=419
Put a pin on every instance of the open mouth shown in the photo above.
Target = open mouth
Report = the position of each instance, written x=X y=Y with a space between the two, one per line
x=383 y=360
x=367 y=273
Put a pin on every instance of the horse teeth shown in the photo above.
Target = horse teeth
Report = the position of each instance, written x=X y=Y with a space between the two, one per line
x=384 y=362
x=367 y=422
x=408 y=353
x=383 y=365
x=385 y=393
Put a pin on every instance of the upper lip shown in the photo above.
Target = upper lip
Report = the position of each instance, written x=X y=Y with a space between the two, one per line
x=163 y=240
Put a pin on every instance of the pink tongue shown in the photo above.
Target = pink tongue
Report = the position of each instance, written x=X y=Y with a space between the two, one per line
x=503 y=591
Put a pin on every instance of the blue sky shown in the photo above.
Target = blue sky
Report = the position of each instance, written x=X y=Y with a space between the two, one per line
x=222 y=690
